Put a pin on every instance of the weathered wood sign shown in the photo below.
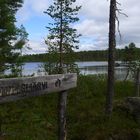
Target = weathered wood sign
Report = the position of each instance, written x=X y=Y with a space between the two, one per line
x=18 y=88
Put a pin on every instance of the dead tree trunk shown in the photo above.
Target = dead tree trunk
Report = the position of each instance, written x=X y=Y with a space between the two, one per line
x=111 y=58
x=137 y=82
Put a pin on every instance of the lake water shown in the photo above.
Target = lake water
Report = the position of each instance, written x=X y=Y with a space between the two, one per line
x=86 y=68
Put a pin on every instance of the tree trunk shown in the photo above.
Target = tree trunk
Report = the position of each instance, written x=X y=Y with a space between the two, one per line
x=127 y=74
x=61 y=40
x=62 y=97
x=62 y=132
x=111 y=58
x=137 y=82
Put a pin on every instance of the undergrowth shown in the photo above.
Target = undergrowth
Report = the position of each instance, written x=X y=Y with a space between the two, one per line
x=36 y=118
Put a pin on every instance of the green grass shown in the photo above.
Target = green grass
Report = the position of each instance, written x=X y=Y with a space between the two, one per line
x=36 y=118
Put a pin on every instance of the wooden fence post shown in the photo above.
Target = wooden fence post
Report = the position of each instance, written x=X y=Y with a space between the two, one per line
x=62 y=101
x=19 y=88
x=0 y=127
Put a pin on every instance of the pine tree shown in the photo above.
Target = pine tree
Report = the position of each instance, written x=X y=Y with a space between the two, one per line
x=18 y=47
x=62 y=38
x=8 y=31
x=61 y=41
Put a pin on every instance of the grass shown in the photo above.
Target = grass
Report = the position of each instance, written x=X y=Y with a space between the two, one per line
x=36 y=118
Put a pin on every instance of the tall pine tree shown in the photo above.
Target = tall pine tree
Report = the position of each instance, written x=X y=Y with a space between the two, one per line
x=62 y=38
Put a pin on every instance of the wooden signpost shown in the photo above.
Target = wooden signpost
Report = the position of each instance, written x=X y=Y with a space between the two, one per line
x=19 y=88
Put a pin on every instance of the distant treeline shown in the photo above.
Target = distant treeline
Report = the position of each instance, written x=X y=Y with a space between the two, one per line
x=98 y=55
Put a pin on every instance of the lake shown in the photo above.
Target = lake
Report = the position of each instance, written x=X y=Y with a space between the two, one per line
x=86 y=68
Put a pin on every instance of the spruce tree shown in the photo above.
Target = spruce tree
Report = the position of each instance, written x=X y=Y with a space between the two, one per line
x=62 y=38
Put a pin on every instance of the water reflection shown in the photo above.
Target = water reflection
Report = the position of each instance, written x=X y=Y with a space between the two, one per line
x=86 y=68
x=93 y=70
x=120 y=72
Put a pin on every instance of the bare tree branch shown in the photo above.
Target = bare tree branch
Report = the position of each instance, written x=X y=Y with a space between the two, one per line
x=119 y=11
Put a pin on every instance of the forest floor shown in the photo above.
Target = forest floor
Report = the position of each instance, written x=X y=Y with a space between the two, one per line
x=36 y=118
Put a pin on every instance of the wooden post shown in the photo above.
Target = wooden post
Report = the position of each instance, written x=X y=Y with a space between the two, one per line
x=19 y=88
x=137 y=82
x=62 y=101
x=0 y=124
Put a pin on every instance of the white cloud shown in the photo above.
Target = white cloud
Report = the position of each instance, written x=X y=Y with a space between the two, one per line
x=32 y=8
x=38 y=6
x=36 y=47
x=94 y=9
x=90 y=27
x=95 y=24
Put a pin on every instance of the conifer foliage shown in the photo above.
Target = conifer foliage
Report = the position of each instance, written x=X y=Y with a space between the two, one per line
x=9 y=34
x=62 y=38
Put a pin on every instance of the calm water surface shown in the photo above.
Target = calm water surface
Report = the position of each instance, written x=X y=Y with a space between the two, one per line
x=86 y=68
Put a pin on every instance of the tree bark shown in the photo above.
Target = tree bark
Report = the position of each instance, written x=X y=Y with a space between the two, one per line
x=62 y=97
x=61 y=40
x=62 y=132
x=137 y=82
x=111 y=58
x=127 y=74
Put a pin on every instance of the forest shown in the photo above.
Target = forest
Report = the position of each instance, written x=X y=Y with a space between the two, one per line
x=63 y=103
x=98 y=55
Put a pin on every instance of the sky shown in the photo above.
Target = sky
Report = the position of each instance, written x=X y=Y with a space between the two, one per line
x=93 y=24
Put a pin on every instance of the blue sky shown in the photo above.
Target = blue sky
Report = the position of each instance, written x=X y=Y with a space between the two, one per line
x=93 y=24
